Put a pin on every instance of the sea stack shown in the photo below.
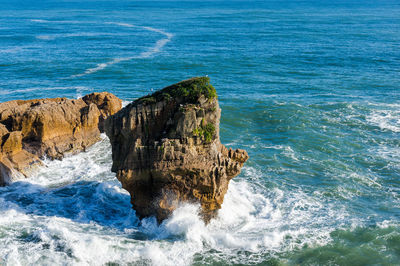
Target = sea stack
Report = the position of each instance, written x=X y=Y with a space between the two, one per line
x=34 y=129
x=166 y=150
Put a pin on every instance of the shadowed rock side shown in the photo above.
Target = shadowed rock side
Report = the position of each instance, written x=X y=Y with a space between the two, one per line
x=166 y=150
x=33 y=129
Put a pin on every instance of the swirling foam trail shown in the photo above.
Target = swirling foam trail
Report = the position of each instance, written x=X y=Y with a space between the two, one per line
x=146 y=54
x=151 y=51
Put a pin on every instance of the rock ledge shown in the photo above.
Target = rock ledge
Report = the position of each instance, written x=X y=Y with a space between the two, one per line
x=33 y=129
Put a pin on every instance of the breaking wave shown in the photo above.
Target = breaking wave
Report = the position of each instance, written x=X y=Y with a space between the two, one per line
x=75 y=212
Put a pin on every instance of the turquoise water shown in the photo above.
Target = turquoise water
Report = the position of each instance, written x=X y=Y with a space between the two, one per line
x=309 y=88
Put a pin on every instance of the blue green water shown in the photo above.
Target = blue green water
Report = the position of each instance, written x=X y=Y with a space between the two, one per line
x=311 y=89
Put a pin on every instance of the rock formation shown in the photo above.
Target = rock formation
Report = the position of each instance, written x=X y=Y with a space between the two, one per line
x=166 y=150
x=33 y=129
x=107 y=103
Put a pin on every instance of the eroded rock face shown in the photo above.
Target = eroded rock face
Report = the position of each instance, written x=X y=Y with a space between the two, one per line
x=166 y=150
x=34 y=129
x=107 y=103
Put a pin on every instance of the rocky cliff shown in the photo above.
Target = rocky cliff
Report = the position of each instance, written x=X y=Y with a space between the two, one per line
x=33 y=129
x=166 y=150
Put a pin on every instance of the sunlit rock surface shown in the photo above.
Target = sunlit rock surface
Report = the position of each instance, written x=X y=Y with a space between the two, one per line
x=166 y=150
x=33 y=129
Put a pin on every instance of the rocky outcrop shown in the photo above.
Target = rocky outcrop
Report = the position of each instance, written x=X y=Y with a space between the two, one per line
x=166 y=150
x=34 y=129
x=107 y=103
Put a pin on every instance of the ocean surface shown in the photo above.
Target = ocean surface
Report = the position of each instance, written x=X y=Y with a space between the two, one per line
x=311 y=89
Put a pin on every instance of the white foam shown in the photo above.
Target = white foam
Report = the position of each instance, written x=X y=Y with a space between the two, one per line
x=386 y=117
x=149 y=52
x=146 y=54
x=79 y=212
x=388 y=223
x=62 y=21
x=95 y=69
x=39 y=20
x=366 y=179
x=248 y=221
x=167 y=34
x=12 y=50
x=45 y=37
x=75 y=168
x=289 y=152
x=70 y=35
x=125 y=103
x=122 y=24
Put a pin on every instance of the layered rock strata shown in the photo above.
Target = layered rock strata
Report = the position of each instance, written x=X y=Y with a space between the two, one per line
x=33 y=129
x=166 y=150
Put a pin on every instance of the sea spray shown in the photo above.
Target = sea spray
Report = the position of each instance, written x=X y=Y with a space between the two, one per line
x=321 y=80
x=76 y=209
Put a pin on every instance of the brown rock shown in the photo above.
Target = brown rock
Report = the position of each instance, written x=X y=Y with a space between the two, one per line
x=14 y=161
x=3 y=133
x=6 y=170
x=50 y=128
x=12 y=142
x=107 y=103
x=166 y=150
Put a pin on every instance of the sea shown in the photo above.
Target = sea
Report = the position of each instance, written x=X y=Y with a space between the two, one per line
x=310 y=88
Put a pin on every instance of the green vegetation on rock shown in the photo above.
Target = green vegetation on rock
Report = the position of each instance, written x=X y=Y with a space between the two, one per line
x=207 y=132
x=190 y=90
x=148 y=100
